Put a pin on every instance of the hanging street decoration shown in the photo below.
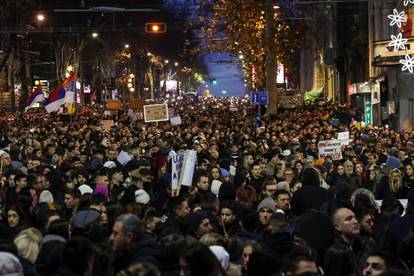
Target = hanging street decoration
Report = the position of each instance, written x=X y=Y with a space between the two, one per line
x=398 y=41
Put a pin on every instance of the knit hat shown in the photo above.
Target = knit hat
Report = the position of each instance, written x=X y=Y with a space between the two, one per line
x=141 y=196
x=85 y=189
x=46 y=196
x=109 y=164
x=224 y=172
x=268 y=203
x=193 y=220
x=393 y=162
x=84 y=218
x=102 y=189
x=10 y=265
x=222 y=255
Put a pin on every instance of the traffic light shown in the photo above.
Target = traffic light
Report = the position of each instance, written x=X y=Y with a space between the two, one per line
x=214 y=81
x=155 y=28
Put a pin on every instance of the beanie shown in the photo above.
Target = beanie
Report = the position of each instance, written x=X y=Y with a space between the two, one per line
x=109 y=164
x=193 y=220
x=46 y=196
x=85 y=189
x=141 y=196
x=224 y=172
x=102 y=189
x=268 y=203
x=393 y=162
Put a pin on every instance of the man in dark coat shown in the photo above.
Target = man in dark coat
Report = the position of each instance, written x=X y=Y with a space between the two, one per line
x=131 y=244
x=400 y=227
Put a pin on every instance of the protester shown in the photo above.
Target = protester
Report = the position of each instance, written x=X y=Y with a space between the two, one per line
x=260 y=197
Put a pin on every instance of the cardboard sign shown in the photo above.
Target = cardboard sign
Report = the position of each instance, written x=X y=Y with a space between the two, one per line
x=107 y=124
x=344 y=138
x=175 y=121
x=155 y=113
x=113 y=105
x=331 y=148
x=136 y=103
x=187 y=172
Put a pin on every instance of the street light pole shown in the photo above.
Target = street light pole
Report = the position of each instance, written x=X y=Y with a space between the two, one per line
x=270 y=50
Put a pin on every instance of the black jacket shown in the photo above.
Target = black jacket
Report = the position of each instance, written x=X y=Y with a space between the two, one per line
x=144 y=250
x=308 y=197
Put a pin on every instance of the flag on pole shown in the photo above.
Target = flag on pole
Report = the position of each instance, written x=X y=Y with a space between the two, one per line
x=36 y=97
x=64 y=93
x=70 y=87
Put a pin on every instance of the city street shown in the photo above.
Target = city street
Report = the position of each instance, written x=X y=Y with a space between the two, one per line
x=208 y=137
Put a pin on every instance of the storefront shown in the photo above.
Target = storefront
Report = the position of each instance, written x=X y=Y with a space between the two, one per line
x=365 y=96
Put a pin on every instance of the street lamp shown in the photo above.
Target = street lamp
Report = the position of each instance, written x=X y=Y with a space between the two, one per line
x=149 y=54
x=40 y=17
x=95 y=35
x=176 y=64
x=126 y=46
x=167 y=61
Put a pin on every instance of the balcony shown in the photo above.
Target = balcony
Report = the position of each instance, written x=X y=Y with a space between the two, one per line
x=385 y=55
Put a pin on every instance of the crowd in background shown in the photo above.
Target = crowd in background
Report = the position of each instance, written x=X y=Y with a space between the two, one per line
x=78 y=198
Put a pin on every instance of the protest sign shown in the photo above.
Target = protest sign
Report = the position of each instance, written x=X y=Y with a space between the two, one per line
x=344 y=138
x=331 y=148
x=155 y=113
x=113 y=105
x=186 y=177
x=175 y=121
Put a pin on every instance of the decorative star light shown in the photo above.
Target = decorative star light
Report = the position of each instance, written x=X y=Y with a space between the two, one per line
x=398 y=42
x=397 y=18
x=408 y=63
x=406 y=2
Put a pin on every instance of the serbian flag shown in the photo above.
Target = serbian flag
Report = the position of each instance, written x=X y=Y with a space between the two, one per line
x=36 y=97
x=70 y=87
x=64 y=93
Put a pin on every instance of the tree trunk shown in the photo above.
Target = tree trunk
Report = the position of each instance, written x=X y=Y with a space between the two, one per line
x=270 y=63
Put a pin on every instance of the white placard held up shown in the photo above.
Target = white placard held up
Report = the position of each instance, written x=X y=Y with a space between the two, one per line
x=175 y=121
x=186 y=177
x=331 y=148
x=344 y=138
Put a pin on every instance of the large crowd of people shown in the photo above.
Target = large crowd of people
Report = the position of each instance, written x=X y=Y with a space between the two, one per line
x=80 y=198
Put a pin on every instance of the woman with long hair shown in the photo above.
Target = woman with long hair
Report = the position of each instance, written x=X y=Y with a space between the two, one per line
x=408 y=178
x=393 y=185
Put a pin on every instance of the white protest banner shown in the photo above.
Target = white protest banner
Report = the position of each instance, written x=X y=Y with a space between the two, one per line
x=186 y=177
x=175 y=121
x=155 y=113
x=176 y=166
x=331 y=148
x=344 y=138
